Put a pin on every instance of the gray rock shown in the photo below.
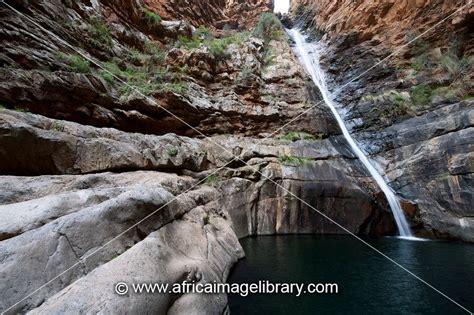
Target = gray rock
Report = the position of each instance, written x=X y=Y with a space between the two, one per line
x=74 y=234
x=183 y=249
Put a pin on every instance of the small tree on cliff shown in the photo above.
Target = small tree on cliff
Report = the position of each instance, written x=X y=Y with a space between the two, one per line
x=268 y=27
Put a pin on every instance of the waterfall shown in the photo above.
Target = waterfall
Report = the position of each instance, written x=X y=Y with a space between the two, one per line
x=309 y=56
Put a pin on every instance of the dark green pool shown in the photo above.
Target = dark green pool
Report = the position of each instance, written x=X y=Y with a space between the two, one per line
x=368 y=283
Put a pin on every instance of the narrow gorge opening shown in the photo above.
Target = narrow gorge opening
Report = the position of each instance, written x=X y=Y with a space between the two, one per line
x=281 y=6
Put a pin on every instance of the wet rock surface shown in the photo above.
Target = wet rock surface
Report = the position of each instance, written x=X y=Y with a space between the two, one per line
x=410 y=112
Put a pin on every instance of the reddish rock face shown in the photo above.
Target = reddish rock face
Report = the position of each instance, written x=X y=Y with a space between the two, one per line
x=400 y=48
x=386 y=20
x=217 y=13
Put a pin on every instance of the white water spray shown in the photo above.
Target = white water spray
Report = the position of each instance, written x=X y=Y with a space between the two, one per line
x=309 y=56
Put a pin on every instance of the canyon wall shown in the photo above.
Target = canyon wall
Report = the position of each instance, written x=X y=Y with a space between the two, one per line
x=130 y=135
x=383 y=20
x=413 y=112
x=218 y=13
x=157 y=133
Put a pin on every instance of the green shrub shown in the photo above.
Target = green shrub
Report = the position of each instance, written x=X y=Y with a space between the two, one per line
x=244 y=75
x=107 y=76
x=417 y=46
x=151 y=80
x=448 y=62
x=217 y=48
x=292 y=160
x=138 y=79
x=421 y=63
x=155 y=51
x=101 y=35
x=144 y=87
x=213 y=180
x=269 y=58
x=177 y=87
x=113 y=67
x=76 y=63
x=399 y=100
x=454 y=65
x=22 y=110
x=146 y=75
x=297 y=135
x=57 y=126
x=421 y=95
x=112 y=71
x=151 y=17
x=268 y=27
x=449 y=92
x=172 y=151
x=188 y=43
x=236 y=38
x=203 y=32
x=136 y=56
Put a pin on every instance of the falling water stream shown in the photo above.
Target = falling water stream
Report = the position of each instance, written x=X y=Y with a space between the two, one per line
x=308 y=54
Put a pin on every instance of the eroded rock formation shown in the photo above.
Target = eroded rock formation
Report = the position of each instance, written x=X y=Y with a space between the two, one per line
x=414 y=111
x=217 y=13
x=172 y=136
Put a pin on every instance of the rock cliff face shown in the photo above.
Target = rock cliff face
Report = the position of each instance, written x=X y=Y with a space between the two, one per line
x=217 y=13
x=157 y=133
x=113 y=120
x=413 y=112
x=387 y=21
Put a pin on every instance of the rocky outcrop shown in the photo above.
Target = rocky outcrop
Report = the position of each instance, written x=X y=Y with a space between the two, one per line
x=189 y=232
x=246 y=88
x=183 y=250
x=62 y=147
x=218 y=13
x=413 y=112
x=64 y=226
x=434 y=166
x=386 y=21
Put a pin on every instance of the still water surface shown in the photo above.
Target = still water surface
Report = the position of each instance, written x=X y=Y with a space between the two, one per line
x=368 y=283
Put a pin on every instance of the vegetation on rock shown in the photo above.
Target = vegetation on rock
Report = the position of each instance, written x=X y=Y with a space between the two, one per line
x=57 y=126
x=269 y=27
x=290 y=160
x=76 y=62
x=213 y=180
x=432 y=76
x=172 y=151
x=217 y=46
x=151 y=17
x=299 y=135
x=100 y=35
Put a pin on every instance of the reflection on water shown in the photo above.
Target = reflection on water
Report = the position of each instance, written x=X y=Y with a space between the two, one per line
x=368 y=283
